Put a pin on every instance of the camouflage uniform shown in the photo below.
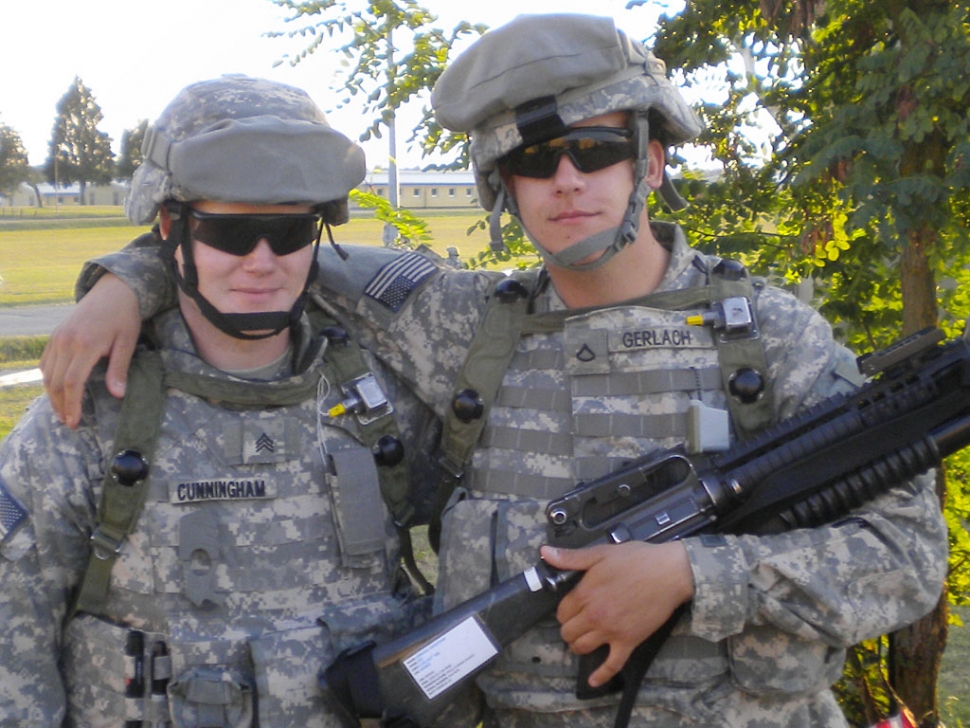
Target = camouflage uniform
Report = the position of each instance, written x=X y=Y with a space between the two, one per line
x=765 y=634
x=262 y=550
x=263 y=546
x=772 y=615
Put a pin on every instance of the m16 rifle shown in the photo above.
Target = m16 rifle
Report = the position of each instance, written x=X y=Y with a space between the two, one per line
x=808 y=470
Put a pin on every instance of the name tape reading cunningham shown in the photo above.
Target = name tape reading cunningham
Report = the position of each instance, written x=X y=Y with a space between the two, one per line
x=214 y=490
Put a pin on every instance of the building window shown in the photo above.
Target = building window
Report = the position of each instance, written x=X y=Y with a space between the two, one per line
x=417 y=191
x=451 y=192
x=468 y=192
x=434 y=191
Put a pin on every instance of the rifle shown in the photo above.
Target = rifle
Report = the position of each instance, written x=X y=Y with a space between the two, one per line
x=803 y=472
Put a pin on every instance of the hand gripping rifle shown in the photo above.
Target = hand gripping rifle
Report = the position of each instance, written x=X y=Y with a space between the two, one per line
x=803 y=472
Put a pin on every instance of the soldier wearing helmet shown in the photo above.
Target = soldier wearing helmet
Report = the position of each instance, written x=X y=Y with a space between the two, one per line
x=616 y=347
x=582 y=73
x=192 y=555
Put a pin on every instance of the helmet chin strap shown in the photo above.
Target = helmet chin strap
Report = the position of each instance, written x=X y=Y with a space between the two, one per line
x=236 y=325
x=610 y=241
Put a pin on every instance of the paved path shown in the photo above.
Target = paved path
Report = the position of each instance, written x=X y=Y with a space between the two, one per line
x=31 y=320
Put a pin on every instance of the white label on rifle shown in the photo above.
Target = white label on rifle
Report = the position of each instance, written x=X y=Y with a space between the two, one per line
x=452 y=656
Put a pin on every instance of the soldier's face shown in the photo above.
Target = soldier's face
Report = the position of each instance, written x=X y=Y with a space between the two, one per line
x=258 y=281
x=571 y=205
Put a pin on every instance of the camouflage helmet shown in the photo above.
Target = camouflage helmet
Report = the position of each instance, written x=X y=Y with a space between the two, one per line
x=243 y=139
x=530 y=79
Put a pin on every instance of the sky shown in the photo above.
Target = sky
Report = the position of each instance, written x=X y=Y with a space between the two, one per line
x=136 y=55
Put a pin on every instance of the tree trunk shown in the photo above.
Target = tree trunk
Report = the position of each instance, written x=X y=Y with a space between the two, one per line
x=917 y=282
x=916 y=651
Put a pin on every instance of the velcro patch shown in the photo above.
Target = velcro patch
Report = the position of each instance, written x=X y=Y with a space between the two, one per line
x=667 y=337
x=394 y=282
x=12 y=514
x=227 y=489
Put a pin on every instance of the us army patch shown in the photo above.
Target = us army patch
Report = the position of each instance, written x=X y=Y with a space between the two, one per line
x=660 y=337
x=226 y=489
x=12 y=514
x=394 y=282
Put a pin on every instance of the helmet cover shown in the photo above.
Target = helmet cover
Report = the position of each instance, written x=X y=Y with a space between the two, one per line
x=248 y=140
x=565 y=66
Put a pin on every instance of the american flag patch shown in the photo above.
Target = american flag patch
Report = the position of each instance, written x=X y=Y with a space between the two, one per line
x=395 y=281
x=11 y=513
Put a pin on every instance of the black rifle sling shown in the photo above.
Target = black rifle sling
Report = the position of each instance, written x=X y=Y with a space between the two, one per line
x=126 y=479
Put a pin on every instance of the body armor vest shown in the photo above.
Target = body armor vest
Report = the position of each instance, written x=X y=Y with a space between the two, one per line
x=579 y=398
x=256 y=559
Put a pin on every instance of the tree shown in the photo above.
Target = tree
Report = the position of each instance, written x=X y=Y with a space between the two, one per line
x=385 y=78
x=865 y=181
x=78 y=151
x=14 y=167
x=845 y=155
x=130 y=158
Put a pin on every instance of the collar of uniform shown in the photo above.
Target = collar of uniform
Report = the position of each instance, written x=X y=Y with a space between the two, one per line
x=185 y=370
x=682 y=271
x=679 y=274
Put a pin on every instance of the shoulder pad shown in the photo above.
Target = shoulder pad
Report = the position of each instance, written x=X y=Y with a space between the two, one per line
x=386 y=275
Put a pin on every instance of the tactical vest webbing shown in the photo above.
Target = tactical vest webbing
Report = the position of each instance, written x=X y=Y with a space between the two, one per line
x=505 y=321
x=347 y=360
x=484 y=367
x=126 y=481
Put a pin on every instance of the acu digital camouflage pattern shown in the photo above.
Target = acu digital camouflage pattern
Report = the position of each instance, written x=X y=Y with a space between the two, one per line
x=585 y=62
x=772 y=615
x=765 y=635
x=244 y=564
x=242 y=139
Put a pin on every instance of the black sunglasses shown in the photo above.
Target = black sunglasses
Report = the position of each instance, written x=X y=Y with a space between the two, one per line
x=239 y=234
x=590 y=148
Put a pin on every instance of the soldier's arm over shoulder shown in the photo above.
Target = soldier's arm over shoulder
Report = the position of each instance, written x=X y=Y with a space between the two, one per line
x=140 y=265
x=417 y=315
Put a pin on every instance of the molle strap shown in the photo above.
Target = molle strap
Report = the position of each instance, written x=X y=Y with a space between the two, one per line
x=741 y=352
x=246 y=393
x=683 y=298
x=126 y=479
x=735 y=351
x=481 y=376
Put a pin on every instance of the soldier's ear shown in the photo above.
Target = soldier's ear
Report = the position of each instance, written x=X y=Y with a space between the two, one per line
x=164 y=222
x=658 y=163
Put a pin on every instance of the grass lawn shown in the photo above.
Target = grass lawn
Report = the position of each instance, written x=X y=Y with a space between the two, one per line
x=40 y=257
